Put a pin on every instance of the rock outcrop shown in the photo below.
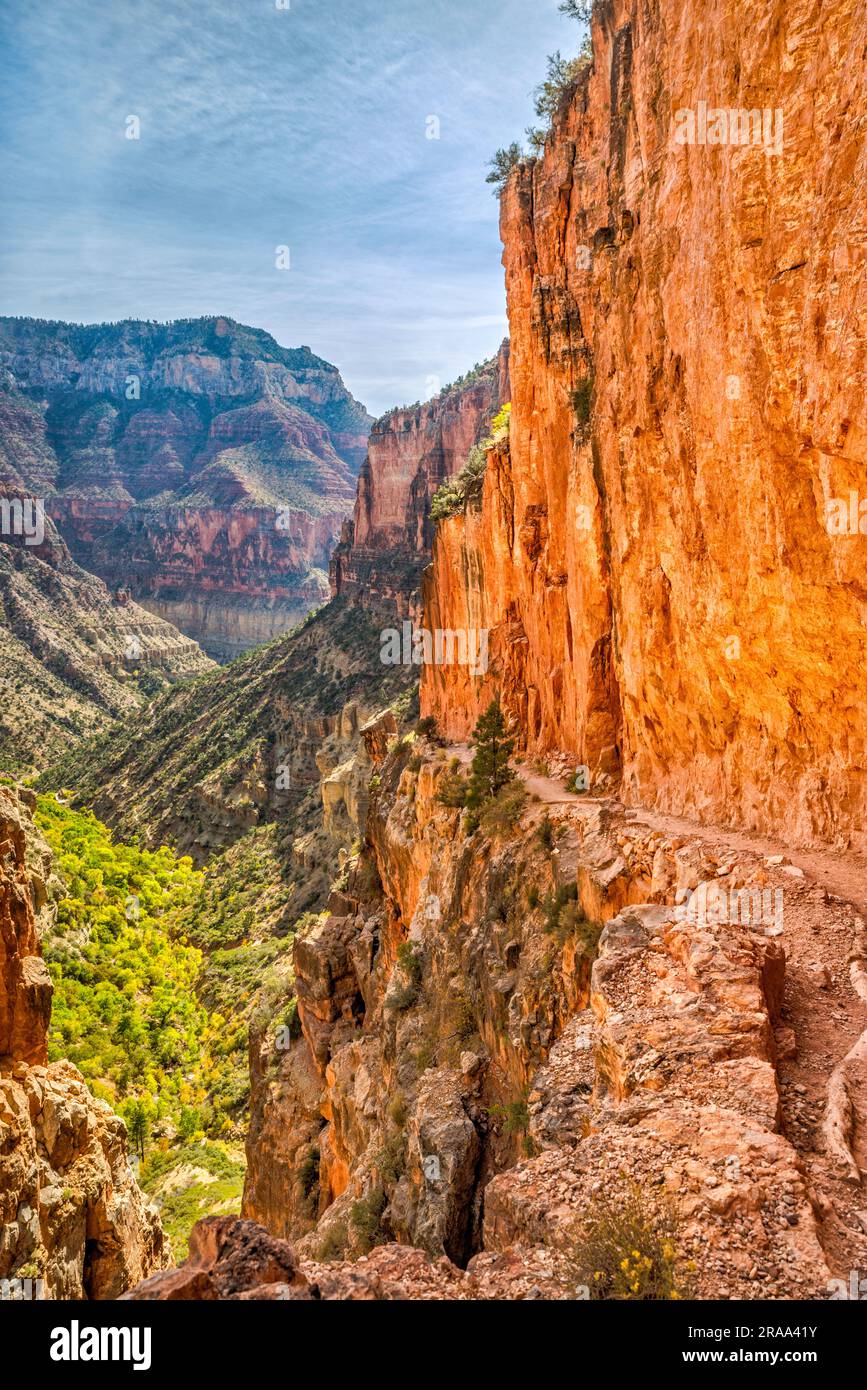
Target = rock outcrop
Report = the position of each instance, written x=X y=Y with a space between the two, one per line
x=198 y=463
x=480 y=1066
x=74 y=1222
x=669 y=585
x=410 y=452
x=239 y=1260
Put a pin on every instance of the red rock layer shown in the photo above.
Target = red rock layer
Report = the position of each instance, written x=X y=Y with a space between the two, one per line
x=410 y=453
x=25 y=985
x=198 y=463
x=688 y=364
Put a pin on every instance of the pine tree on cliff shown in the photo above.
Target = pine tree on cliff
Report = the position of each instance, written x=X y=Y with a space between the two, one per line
x=490 y=766
x=137 y=1127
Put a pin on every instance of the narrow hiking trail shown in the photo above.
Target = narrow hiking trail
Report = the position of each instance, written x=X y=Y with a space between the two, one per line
x=822 y=1032
x=822 y=1063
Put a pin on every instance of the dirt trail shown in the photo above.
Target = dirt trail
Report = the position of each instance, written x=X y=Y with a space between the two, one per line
x=838 y=872
x=824 y=1012
x=822 y=908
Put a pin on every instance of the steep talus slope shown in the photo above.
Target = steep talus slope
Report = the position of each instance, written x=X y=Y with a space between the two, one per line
x=688 y=386
x=74 y=1220
x=245 y=746
x=75 y=657
x=411 y=451
x=197 y=462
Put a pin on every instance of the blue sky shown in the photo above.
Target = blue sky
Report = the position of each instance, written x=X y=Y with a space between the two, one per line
x=263 y=127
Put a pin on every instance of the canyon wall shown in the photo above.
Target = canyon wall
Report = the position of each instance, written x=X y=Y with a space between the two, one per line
x=687 y=369
x=197 y=463
x=234 y=575
x=480 y=1059
x=387 y=544
x=504 y=1027
x=74 y=657
x=73 y=1218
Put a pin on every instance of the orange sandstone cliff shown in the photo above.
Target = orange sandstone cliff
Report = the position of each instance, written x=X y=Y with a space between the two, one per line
x=410 y=452
x=688 y=368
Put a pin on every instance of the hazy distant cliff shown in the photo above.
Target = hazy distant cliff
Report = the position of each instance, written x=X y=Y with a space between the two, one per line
x=198 y=462
x=385 y=546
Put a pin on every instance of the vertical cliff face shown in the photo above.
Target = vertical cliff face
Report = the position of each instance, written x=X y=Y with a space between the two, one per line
x=410 y=452
x=73 y=1216
x=687 y=371
x=25 y=985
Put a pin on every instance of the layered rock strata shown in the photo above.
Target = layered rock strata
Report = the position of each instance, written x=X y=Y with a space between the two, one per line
x=197 y=463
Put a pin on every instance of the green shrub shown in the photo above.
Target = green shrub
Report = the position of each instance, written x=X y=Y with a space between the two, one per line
x=390 y=1162
x=308 y=1171
x=411 y=963
x=581 y=400
x=562 y=73
x=453 y=788
x=565 y=918
x=514 y=1116
x=333 y=1244
x=503 y=811
x=424 y=1056
x=573 y=923
x=398 y=1111
x=462 y=1019
x=366 y=1218
x=502 y=164
x=465 y=487
x=546 y=833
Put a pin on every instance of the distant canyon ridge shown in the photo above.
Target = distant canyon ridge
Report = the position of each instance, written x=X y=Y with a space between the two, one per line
x=197 y=465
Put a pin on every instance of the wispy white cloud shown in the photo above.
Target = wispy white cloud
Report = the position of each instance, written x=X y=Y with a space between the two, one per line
x=261 y=127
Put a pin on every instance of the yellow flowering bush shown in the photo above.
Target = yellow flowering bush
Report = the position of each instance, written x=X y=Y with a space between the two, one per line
x=626 y=1248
